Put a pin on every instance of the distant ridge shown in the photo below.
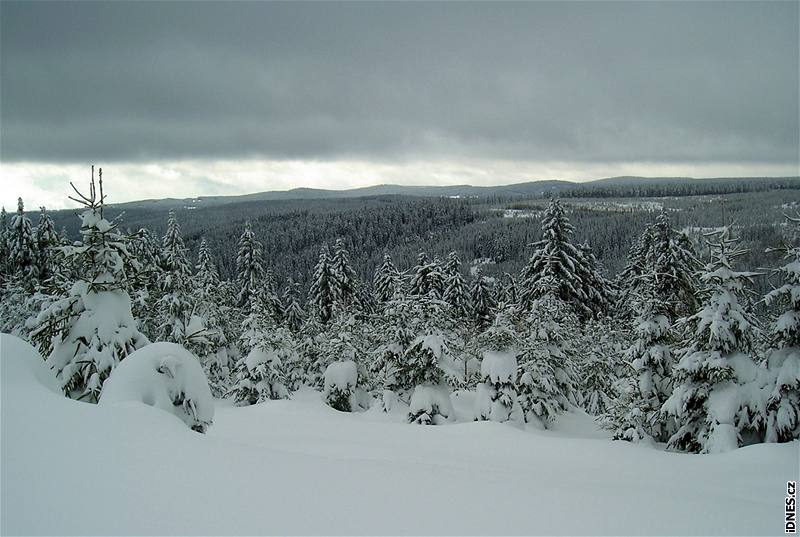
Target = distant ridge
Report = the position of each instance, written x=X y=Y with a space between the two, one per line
x=526 y=189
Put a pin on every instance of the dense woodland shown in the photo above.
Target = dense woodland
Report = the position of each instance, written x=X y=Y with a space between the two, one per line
x=656 y=317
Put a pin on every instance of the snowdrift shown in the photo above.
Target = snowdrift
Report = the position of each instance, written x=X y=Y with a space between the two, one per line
x=164 y=376
x=300 y=467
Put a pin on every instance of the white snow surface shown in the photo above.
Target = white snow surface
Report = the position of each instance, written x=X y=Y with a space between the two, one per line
x=299 y=467
x=158 y=375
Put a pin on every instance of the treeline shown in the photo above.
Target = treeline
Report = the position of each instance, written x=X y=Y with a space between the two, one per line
x=664 y=187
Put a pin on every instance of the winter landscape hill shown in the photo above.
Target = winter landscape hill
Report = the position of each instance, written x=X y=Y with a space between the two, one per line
x=529 y=189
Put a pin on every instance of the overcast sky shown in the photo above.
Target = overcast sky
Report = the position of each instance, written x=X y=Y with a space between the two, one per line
x=184 y=99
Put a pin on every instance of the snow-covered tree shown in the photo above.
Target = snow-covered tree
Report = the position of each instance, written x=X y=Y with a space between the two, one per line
x=546 y=383
x=456 y=293
x=294 y=314
x=208 y=341
x=707 y=402
x=269 y=353
x=341 y=380
x=396 y=330
x=175 y=305
x=497 y=398
x=421 y=364
x=273 y=299
x=599 y=372
x=665 y=287
x=22 y=251
x=249 y=268
x=556 y=259
x=783 y=361
x=346 y=284
x=262 y=374
x=46 y=240
x=388 y=282
x=322 y=293
x=89 y=331
x=483 y=305
x=427 y=279
x=4 y=246
x=638 y=415
x=146 y=288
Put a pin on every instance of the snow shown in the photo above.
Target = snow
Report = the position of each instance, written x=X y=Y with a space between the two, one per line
x=298 y=467
x=258 y=356
x=341 y=375
x=499 y=366
x=164 y=376
x=431 y=404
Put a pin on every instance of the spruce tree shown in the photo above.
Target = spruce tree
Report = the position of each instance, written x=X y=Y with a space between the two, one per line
x=22 y=253
x=546 y=382
x=387 y=283
x=89 y=331
x=322 y=293
x=4 y=246
x=783 y=359
x=209 y=342
x=294 y=311
x=146 y=287
x=483 y=305
x=346 y=284
x=175 y=304
x=270 y=293
x=249 y=268
x=497 y=398
x=706 y=401
x=556 y=259
x=46 y=240
x=269 y=352
x=456 y=293
x=421 y=363
x=427 y=279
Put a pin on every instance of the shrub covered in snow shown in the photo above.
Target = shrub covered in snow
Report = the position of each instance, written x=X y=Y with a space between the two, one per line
x=261 y=375
x=165 y=376
x=341 y=379
x=497 y=393
x=430 y=405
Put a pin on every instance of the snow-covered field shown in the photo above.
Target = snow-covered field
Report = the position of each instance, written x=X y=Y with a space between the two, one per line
x=299 y=467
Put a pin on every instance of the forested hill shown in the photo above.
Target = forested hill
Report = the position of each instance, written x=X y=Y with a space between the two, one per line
x=610 y=187
x=496 y=230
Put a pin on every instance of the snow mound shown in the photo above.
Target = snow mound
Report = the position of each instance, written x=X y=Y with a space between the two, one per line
x=341 y=389
x=19 y=359
x=431 y=405
x=165 y=376
x=341 y=375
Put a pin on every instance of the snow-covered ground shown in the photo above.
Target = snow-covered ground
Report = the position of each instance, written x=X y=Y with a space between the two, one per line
x=300 y=467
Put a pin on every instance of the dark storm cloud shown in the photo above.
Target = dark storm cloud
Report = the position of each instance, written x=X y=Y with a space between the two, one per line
x=656 y=81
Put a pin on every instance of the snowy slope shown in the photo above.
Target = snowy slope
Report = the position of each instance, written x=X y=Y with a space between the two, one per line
x=300 y=467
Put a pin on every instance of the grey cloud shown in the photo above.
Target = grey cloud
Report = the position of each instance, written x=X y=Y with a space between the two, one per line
x=648 y=81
